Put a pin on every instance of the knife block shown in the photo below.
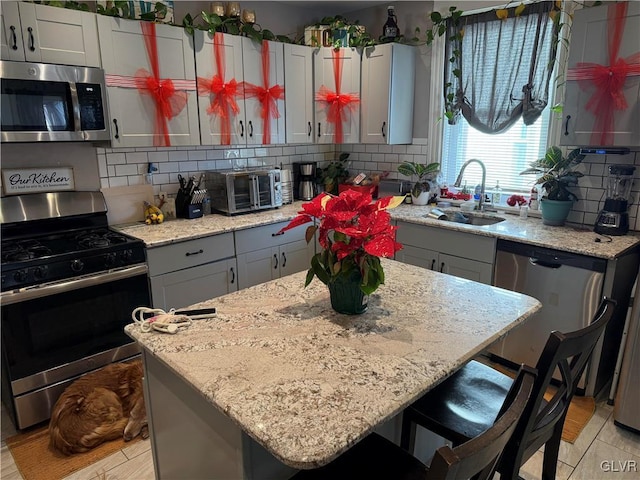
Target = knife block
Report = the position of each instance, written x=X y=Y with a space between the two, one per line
x=186 y=209
x=193 y=210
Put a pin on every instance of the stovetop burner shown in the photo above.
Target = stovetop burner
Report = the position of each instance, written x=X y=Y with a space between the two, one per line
x=99 y=239
x=23 y=250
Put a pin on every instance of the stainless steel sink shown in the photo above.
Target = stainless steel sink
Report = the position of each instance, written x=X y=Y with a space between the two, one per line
x=472 y=218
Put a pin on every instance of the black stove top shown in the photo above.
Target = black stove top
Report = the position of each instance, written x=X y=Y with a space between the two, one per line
x=50 y=245
x=54 y=237
x=64 y=255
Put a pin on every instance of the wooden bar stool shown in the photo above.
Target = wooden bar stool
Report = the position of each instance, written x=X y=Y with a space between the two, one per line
x=468 y=402
x=377 y=458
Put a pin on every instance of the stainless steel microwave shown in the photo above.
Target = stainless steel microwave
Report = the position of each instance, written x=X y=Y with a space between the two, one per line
x=52 y=103
x=240 y=191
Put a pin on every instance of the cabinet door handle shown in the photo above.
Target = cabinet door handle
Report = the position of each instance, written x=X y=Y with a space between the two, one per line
x=318 y=129
x=384 y=134
x=275 y=260
x=250 y=129
x=14 y=38
x=233 y=275
x=442 y=267
x=117 y=135
x=32 y=42
x=241 y=129
x=566 y=125
x=188 y=254
x=284 y=260
x=433 y=263
x=310 y=127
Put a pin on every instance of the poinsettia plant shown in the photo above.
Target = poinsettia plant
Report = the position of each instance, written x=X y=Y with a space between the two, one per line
x=354 y=233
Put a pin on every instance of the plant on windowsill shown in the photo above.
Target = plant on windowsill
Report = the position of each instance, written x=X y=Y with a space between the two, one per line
x=353 y=233
x=556 y=173
x=422 y=190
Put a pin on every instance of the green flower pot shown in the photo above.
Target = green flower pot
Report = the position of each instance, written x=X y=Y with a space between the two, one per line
x=346 y=296
x=555 y=212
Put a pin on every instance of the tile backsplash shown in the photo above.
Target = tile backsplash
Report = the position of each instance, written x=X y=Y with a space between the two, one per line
x=114 y=167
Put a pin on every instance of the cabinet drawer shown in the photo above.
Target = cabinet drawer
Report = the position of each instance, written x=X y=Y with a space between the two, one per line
x=465 y=245
x=266 y=237
x=188 y=254
x=187 y=287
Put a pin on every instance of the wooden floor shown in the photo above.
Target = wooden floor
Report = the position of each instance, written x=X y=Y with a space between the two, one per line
x=600 y=452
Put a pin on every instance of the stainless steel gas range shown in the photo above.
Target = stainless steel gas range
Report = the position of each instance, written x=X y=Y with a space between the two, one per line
x=69 y=284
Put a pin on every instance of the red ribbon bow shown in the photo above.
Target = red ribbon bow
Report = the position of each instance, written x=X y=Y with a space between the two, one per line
x=337 y=103
x=266 y=95
x=608 y=80
x=167 y=100
x=223 y=103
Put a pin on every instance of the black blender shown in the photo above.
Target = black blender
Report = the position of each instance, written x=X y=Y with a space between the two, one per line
x=613 y=219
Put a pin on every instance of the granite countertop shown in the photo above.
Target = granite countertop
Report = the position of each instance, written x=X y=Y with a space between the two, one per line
x=308 y=383
x=530 y=230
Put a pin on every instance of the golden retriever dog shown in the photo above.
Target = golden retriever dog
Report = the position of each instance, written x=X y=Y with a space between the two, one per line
x=100 y=406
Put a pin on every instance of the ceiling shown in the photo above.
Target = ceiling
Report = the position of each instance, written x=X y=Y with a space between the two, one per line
x=336 y=6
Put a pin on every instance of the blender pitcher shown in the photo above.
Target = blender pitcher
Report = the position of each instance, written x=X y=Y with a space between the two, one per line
x=614 y=218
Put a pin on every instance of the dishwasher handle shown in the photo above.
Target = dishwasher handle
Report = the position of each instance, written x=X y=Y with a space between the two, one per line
x=544 y=263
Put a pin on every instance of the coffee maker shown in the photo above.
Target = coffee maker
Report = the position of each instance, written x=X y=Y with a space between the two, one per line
x=304 y=180
x=613 y=219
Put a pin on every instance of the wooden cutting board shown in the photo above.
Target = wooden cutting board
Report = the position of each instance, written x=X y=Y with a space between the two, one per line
x=126 y=204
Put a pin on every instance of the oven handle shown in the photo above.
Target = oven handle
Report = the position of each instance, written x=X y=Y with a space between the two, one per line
x=53 y=288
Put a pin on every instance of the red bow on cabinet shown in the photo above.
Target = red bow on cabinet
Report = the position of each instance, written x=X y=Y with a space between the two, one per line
x=266 y=95
x=223 y=94
x=337 y=102
x=608 y=80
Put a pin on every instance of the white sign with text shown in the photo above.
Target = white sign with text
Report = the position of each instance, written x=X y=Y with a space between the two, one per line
x=33 y=180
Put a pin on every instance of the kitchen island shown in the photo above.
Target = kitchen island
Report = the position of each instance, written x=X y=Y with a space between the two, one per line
x=278 y=381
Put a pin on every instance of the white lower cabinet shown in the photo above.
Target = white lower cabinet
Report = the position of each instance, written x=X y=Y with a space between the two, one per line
x=460 y=254
x=279 y=255
x=189 y=272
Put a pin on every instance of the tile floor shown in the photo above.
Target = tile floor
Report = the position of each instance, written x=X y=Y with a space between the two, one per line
x=601 y=451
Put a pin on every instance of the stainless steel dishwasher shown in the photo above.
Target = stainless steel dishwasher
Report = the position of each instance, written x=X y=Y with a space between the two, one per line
x=569 y=286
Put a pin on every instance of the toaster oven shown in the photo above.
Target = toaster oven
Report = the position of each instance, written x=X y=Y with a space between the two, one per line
x=241 y=191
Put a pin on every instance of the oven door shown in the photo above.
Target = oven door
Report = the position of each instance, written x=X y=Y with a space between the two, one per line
x=264 y=191
x=56 y=332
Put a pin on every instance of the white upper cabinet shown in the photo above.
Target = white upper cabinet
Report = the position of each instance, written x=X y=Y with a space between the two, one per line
x=298 y=75
x=336 y=87
x=388 y=73
x=142 y=114
x=264 y=91
x=39 y=33
x=220 y=76
x=235 y=95
x=601 y=123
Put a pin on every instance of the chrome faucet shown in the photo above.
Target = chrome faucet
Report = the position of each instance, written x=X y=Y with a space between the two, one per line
x=458 y=183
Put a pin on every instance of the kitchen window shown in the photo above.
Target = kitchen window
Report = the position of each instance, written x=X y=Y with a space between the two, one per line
x=504 y=155
x=491 y=101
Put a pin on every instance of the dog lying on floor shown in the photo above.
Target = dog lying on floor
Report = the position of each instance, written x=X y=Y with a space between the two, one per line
x=100 y=406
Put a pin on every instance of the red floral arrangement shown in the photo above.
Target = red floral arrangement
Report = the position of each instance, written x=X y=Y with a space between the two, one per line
x=516 y=199
x=353 y=233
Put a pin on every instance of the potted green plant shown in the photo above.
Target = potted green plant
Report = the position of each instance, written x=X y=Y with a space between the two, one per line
x=556 y=173
x=426 y=173
x=335 y=173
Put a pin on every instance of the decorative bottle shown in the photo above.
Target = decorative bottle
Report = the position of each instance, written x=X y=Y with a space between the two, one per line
x=497 y=192
x=390 y=30
x=533 y=202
